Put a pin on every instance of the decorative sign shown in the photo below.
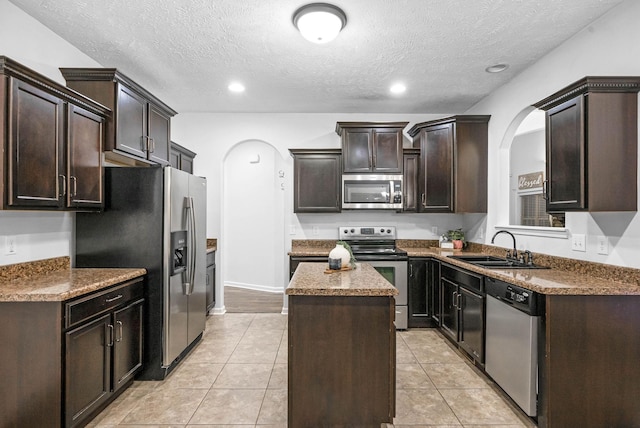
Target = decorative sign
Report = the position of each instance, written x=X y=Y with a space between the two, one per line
x=529 y=181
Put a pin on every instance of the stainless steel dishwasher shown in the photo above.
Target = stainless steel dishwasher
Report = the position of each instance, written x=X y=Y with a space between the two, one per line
x=513 y=320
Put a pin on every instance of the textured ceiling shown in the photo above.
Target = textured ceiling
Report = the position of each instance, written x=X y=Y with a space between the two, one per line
x=187 y=51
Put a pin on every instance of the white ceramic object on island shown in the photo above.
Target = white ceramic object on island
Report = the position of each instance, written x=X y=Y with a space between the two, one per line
x=339 y=252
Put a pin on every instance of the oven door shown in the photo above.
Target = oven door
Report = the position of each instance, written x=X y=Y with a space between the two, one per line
x=395 y=272
x=371 y=192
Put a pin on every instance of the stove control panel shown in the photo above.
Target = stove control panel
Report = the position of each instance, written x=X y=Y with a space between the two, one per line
x=367 y=232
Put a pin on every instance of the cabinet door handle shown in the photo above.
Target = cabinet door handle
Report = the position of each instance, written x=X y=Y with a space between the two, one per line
x=119 y=339
x=144 y=143
x=460 y=301
x=207 y=282
x=410 y=270
x=74 y=180
x=455 y=299
x=545 y=195
x=113 y=299
x=110 y=342
x=152 y=145
x=423 y=199
x=64 y=184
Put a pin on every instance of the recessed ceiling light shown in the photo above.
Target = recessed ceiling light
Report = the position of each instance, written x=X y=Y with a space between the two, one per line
x=496 y=68
x=398 y=88
x=319 y=22
x=236 y=87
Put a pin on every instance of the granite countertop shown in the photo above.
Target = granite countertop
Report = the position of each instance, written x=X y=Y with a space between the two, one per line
x=212 y=245
x=565 y=276
x=546 y=281
x=61 y=285
x=310 y=280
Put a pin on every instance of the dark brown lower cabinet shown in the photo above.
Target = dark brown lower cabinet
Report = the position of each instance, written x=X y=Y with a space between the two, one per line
x=590 y=362
x=294 y=261
x=341 y=361
x=87 y=368
x=211 y=280
x=463 y=310
x=424 y=292
x=63 y=362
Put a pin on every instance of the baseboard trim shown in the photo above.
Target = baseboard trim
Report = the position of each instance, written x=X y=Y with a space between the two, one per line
x=255 y=287
x=218 y=311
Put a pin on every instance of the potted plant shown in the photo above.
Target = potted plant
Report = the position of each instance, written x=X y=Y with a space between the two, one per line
x=457 y=237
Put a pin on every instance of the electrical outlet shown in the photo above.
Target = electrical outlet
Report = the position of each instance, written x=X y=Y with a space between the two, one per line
x=603 y=245
x=578 y=242
x=434 y=230
x=10 y=245
x=315 y=230
x=292 y=229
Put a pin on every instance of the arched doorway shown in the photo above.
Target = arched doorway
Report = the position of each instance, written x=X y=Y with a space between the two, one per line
x=253 y=218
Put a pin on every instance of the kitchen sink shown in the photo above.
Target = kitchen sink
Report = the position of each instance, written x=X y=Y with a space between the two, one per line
x=493 y=262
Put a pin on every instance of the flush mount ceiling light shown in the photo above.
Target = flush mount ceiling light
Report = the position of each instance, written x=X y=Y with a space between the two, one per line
x=496 y=68
x=319 y=22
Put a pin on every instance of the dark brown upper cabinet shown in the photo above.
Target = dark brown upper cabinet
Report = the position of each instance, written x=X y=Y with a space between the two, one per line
x=140 y=127
x=410 y=179
x=181 y=158
x=316 y=180
x=592 y=145
x=371 y=147
x=50 y=143
x=453 y=164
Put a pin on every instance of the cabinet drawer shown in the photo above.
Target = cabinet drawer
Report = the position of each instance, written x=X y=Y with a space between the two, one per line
x=94 y=304
x=211 y=258
x=466 y=279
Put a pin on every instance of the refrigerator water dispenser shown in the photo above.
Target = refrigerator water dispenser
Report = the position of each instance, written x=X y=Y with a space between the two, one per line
x=178 y=264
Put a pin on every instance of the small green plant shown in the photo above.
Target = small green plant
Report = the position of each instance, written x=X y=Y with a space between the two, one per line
x=455 y=235
x=352 y=261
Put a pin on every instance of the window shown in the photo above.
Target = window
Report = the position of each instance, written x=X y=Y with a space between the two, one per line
x=533 y=211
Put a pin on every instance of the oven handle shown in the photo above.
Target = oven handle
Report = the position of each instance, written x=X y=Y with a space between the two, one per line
x=385 y=259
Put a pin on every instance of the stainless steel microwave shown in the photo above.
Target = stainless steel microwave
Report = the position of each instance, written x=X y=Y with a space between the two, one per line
x=371 y=191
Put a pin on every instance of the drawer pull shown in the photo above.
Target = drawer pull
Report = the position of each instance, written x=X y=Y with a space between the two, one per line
x=113 y=299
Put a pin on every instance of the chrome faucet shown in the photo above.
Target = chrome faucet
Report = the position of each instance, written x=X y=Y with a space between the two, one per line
x=510 y=255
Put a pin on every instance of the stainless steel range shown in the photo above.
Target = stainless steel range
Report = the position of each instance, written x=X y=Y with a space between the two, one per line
x=376 y=245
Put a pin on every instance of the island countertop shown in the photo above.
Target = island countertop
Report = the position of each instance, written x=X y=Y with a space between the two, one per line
x=310 y=280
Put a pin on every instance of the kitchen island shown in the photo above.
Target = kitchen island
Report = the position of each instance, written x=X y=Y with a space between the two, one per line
x=341 y=347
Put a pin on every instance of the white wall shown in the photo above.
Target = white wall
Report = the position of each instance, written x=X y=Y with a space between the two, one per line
x=607 y=47
x=527 y=156
x=39 y=235
x=212 y=136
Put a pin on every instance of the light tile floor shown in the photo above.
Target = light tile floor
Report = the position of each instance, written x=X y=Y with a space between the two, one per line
x=237 y=377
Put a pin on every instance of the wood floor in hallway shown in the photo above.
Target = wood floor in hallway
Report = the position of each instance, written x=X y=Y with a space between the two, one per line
x=242 y=300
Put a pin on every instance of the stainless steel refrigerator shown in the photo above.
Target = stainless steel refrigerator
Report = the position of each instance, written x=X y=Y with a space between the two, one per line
x=154 y=218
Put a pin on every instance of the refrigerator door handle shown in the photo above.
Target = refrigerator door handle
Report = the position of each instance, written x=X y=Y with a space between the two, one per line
x=192 y=246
